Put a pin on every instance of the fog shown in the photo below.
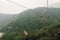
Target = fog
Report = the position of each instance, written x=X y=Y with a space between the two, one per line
x=10 y=8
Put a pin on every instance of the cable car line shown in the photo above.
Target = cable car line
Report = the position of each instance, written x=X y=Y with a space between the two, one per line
x=21 y=6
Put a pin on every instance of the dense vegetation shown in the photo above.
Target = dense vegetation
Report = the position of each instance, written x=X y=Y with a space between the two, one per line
x=35 y=22
x=31 y=21
x=47 y=33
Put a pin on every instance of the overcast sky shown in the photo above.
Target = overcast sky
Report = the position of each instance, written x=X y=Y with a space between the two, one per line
x=10 y=8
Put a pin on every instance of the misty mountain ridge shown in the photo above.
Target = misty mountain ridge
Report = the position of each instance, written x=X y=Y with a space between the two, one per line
x=36 y=22
x=6 y=18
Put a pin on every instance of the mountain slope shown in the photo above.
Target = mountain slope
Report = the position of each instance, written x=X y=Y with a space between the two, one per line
x=31 y=22
x=37 y=25
x=49 y=33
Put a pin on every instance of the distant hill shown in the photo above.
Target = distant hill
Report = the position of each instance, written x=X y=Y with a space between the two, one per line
x=38 y=23
x=6 y=18
x=34 y=19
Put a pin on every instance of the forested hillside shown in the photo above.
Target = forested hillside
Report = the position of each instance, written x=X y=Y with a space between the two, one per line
x=34 y=19
x=47 y=33
x=34 y=22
